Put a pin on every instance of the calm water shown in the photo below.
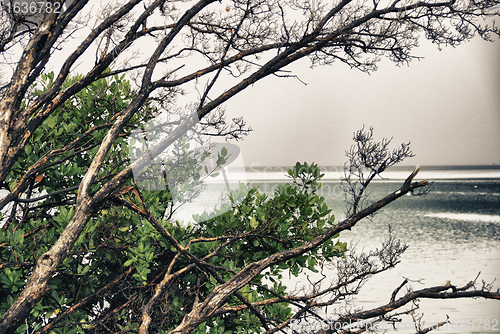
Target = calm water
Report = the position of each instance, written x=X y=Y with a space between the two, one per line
x=453 y=233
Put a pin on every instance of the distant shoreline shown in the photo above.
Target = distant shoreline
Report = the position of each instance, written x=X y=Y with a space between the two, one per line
x=257 y=166
x=334 y=173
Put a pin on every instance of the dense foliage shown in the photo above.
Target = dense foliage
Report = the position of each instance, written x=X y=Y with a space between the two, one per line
x=120 y=257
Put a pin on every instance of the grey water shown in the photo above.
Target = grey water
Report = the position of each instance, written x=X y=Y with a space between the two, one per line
x=453 y=233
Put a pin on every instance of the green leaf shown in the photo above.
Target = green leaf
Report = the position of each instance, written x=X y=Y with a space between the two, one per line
x=128 y=262
x=51 y=122
x=12 y=185
x=221 y=160
x=223 y=152
x=245 y=209
x=253 y=222
x=18 y=237
x=27 y=149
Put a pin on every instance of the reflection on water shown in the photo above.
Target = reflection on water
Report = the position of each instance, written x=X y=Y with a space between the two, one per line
x=469 y=217
x=453 y=233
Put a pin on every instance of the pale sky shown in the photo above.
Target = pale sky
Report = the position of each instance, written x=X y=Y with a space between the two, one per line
x=447 y=105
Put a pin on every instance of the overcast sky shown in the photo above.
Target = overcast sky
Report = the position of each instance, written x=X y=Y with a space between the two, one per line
x=447 y=105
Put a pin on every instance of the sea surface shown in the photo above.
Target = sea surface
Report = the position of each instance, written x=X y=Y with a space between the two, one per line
x=453 y=233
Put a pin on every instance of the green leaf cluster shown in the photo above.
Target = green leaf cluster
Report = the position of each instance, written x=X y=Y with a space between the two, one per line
x=120 y=258
x=58 y=154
